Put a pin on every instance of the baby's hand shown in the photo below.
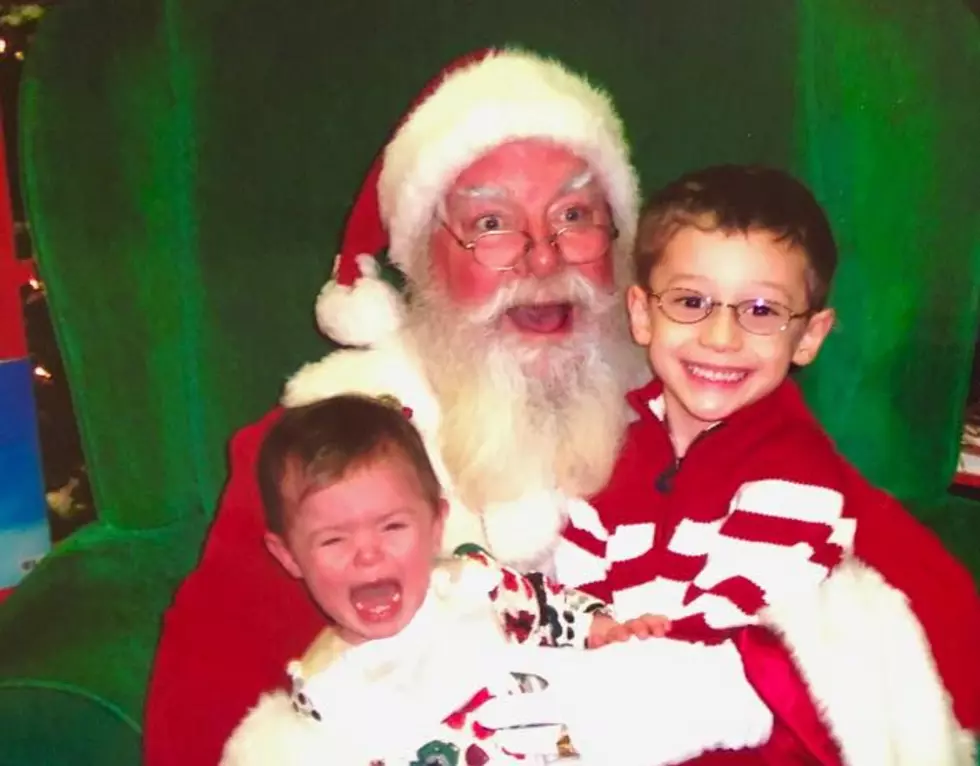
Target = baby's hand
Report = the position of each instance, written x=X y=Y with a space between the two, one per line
x=605 y=630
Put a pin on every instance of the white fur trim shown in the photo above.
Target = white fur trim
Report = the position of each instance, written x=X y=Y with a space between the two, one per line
x=361 y=314
x=869 y=667
x=386 y=368
x=273 y=733
x=507 y=96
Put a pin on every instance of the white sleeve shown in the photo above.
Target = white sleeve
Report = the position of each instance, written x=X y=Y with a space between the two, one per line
x=638 y=703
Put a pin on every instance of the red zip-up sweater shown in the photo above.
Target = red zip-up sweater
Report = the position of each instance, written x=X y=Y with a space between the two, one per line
x=762 y=509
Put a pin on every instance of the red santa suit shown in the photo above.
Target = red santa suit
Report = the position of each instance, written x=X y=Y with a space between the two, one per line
x=854 y=625
x=237 y=618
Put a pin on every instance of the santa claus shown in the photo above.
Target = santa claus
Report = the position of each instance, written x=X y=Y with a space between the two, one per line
x=508 y=201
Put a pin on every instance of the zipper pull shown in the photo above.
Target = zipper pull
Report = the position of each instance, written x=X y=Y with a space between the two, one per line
x=665 y=481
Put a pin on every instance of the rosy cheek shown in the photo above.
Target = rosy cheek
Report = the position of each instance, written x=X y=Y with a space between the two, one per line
x=667 y=335
x=330 y=590
x=408 y=550
x=474 y=285
x=333 y=563
x=599 y=273
x=465 y=281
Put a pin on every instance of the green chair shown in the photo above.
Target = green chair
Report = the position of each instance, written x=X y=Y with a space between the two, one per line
x=188 y=165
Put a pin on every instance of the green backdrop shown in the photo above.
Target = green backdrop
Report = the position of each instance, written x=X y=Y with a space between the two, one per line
x=889 y=106
x=188 y=165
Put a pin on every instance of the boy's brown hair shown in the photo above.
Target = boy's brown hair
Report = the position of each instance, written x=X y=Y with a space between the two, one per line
x=739 y=199
x=321 y=443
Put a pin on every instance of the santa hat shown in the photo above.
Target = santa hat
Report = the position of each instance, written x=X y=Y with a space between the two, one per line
x=476 y=104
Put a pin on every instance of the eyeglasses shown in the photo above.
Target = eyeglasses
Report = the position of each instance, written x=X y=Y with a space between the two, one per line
x=754 y=315
x=502 y=250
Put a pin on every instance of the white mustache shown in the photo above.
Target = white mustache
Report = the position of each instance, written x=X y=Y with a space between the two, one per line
x=567 y=287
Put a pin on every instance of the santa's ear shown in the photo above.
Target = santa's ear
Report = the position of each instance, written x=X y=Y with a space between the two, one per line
x=277 y=546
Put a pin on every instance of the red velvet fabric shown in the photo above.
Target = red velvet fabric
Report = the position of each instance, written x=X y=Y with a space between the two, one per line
x=235 y=622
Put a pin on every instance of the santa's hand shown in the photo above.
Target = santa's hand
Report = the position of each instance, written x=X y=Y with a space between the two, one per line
x=635 y=703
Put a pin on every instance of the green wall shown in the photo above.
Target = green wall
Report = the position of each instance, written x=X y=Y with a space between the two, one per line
x=888 y=127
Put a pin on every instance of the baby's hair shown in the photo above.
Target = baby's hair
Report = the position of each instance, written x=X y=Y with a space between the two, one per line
x=316 y=445
x=739 y=199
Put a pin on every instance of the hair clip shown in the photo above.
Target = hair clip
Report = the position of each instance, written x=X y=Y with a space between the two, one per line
x=392 y=401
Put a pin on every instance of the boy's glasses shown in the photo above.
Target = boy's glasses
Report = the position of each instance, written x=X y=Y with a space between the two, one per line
x=754 y=315
x=502 y=250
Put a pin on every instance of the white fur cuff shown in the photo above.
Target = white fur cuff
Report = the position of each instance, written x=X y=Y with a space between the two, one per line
x=870 y=670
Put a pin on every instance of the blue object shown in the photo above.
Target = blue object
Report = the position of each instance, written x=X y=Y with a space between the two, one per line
x=24 y=534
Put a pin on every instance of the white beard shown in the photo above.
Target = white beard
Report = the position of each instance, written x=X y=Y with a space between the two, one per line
x=517 y=416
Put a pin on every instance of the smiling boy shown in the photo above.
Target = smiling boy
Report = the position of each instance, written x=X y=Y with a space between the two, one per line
x=731 y=512
x=724 y=315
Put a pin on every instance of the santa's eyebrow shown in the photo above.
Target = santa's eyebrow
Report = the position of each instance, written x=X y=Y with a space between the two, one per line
x=577 y=182
x=471 y=192
x=482 y=192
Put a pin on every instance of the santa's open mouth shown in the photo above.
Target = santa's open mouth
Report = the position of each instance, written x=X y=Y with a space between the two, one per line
x=543 y=318
x=377 y=601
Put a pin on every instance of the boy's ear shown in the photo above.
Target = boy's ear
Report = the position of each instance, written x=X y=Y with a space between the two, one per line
x=638 y=306
x=281 y=553
x=817 y=329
